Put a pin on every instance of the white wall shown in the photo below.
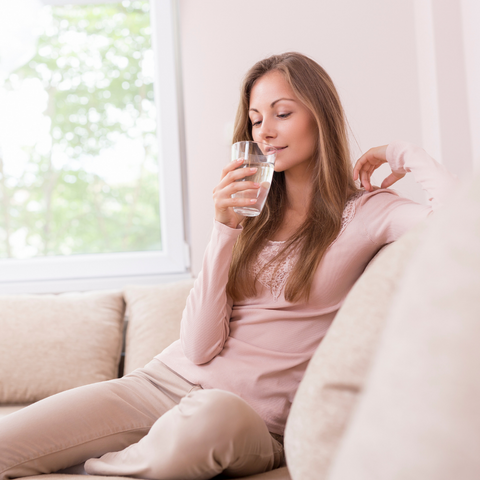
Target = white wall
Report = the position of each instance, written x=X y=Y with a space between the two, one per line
x=368 y=47
x=471 y=38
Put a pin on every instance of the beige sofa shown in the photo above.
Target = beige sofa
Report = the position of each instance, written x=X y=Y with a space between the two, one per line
x=392 y=392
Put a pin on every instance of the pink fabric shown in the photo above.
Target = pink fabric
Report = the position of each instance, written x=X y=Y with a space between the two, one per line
x=259 y=348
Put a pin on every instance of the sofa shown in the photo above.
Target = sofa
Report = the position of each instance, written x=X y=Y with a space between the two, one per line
x=392 y=392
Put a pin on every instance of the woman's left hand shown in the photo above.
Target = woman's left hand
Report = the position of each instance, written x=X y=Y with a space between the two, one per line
x=368 y=163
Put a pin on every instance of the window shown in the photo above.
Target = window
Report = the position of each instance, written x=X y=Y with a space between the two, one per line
x=90 y=167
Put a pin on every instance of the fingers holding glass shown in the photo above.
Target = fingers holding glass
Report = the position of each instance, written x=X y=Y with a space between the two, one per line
x=231 y=184
x=259 y=163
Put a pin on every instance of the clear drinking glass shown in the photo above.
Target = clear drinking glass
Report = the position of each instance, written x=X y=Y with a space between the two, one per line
x=262 y=157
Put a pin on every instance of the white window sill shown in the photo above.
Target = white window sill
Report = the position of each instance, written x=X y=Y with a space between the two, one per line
x=89 y=284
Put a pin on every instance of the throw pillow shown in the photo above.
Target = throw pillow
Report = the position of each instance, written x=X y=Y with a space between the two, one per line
x=154 y=315
x=51 y=343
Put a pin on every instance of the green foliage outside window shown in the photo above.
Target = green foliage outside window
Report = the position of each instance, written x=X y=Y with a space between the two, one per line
x=92 y=63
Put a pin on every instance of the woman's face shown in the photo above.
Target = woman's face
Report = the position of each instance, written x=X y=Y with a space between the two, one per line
x=280 y=119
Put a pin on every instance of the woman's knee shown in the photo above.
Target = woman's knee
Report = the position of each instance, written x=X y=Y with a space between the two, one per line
x=217 y=413
x=207 y=432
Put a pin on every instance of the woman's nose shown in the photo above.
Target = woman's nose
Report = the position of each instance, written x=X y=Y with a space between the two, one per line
x=267 y=130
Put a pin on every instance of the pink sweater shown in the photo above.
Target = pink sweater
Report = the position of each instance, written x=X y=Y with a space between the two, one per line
x=259 y=347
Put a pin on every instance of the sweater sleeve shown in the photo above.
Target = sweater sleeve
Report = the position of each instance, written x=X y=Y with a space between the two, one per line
x=433 y=177
x=386 y=215
x=205 y=321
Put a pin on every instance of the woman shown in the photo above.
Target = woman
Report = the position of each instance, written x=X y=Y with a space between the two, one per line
x=217 y=399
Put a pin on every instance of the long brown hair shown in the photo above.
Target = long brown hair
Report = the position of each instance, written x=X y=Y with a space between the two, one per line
x=332 y=181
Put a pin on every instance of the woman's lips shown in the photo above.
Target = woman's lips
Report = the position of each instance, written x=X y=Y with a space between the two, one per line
x=280 y=148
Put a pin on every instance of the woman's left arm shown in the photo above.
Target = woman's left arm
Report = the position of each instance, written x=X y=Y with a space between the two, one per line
x=403 y=158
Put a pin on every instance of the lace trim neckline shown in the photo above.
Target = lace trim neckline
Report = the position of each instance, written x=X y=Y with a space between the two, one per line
x=347 y=216
x=275 y=278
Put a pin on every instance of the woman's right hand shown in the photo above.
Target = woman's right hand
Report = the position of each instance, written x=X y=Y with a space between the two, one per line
x=222 y=193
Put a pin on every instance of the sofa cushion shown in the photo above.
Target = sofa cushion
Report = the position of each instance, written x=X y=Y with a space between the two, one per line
x=419 y=416
x=330 y=388
x=154 y=315
x=51 y=343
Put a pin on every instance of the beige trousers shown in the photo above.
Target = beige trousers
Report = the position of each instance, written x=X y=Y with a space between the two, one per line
x=149 y=424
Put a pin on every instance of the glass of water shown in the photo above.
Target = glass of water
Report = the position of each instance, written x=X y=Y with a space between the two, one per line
x=262 y=157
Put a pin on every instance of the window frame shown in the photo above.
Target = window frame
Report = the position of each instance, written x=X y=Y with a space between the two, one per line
x=55 y=274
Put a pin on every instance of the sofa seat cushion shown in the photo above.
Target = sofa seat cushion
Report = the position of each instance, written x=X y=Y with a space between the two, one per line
x=51 y=343
x=278 y=474
x=336 y=373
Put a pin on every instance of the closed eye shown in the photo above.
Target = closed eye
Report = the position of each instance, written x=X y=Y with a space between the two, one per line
x=281 y=115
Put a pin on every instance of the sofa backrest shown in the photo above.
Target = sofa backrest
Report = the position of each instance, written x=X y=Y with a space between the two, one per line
x=51 y=343
x=419 y=415
x=335 y=376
